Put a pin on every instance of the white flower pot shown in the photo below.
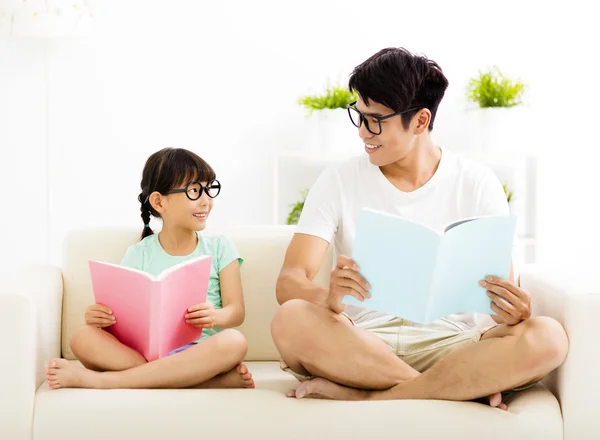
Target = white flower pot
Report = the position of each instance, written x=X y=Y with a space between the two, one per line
x=334 y=131
x=500 y=129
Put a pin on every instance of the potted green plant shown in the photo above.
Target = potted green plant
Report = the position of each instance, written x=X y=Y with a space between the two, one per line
x=492 y=89
x=327 y=112
x=508 y=193
x=334 y=97
x=495 y=98
x=297 y=207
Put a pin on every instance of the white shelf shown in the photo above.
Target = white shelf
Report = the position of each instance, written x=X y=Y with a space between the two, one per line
x=295 y=172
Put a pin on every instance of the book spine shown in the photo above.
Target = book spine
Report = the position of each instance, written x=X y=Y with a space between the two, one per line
x=154 y=330
x=435 y=279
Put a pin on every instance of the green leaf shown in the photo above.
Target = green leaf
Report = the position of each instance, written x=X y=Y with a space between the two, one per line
x=297 y=208
x=508 y=193
x=334 y=97
x=493 y=89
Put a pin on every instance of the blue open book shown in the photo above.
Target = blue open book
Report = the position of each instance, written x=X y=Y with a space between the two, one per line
x=419 y=274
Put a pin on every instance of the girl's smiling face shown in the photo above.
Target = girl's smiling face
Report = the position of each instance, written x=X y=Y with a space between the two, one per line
x=179 y=208
x=179 y=187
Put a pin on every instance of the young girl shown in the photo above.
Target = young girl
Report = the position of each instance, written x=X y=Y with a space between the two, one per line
x=179 y=187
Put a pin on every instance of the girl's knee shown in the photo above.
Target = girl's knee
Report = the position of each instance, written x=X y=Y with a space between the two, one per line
x=81 y=337
x=233 y=335
x=235 y=343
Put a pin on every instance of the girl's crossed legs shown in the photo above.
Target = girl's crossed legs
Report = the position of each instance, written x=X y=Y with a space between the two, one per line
x=212 y=363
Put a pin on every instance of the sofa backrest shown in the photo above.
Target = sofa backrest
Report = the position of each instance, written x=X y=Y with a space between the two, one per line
x=262 y=247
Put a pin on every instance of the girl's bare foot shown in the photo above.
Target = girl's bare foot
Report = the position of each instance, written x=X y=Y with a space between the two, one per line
x=63 y=374
x=238 y=377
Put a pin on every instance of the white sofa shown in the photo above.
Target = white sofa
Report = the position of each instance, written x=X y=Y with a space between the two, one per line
x=41 y=307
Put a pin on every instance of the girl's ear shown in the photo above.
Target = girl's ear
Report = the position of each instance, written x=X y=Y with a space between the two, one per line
x=157 y=200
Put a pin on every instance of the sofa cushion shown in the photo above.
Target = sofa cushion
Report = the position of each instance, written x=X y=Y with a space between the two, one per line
x=265 y=413
x=262 y=247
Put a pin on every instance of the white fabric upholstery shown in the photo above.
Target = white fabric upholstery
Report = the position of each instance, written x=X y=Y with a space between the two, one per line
x=30 y=331
x=574 y=301
x=17 y=368
x=265 y=413
x=30 y=306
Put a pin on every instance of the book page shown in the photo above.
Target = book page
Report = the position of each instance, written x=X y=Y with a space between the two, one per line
x=397 y=257
x=469 y=253
x=165 y=273
x=128 y=294
x=181 y=289
x=458 y=223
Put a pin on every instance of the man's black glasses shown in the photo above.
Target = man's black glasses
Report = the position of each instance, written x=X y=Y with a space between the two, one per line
x=358 y=118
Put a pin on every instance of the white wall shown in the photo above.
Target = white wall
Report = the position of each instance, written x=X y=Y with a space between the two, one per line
x=222 y=78
x=23 y=206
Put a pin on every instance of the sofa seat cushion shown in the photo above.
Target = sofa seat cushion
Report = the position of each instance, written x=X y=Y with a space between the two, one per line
x=265 y=413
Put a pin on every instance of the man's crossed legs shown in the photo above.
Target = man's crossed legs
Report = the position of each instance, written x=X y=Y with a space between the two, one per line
x=337 y=360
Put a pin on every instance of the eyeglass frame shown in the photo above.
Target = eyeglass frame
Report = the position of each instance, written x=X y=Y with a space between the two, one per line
x=362 y=118
x=185 y=190
x=202 y=189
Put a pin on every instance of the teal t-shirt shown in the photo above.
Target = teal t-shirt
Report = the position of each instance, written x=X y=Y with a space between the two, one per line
x=149 y=256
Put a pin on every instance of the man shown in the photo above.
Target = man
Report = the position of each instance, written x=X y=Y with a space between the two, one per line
x=351 y=353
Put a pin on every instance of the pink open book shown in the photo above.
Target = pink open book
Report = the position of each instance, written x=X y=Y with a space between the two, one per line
x=150 y=311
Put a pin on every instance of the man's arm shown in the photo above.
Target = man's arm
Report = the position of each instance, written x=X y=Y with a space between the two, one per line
x=303 y=259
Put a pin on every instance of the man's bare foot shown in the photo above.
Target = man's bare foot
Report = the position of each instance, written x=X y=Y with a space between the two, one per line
x=238 y=377
x=496 y=401
x=63 y=374
x=320 y=388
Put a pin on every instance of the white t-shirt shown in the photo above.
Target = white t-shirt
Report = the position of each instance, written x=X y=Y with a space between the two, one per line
x=460 y=188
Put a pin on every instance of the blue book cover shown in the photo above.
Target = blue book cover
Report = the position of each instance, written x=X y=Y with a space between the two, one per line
x=422 y=275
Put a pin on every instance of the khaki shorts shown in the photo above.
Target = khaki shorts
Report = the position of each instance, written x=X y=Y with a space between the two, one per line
x=420 y=346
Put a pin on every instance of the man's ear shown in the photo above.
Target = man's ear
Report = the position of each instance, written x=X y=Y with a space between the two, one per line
x=422 y=118
x=157 y=200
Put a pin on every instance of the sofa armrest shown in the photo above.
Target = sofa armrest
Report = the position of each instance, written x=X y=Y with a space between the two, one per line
x=30 y=316
x=573 y=299
x=17 y=367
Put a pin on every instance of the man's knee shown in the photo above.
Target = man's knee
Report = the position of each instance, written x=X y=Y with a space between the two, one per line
x=545 y=342
x=291 y=321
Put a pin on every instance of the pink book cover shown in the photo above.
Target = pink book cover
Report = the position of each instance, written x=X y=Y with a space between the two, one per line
x=150 y=311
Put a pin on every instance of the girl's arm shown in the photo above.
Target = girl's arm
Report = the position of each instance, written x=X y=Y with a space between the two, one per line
x=233 y=312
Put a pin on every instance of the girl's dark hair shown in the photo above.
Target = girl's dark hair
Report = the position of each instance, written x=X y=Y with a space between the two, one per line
x=400 y=80
x=168 y=169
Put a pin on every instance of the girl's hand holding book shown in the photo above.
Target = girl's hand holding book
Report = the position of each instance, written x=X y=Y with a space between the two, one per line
x=99 y=316
x=201 y=315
